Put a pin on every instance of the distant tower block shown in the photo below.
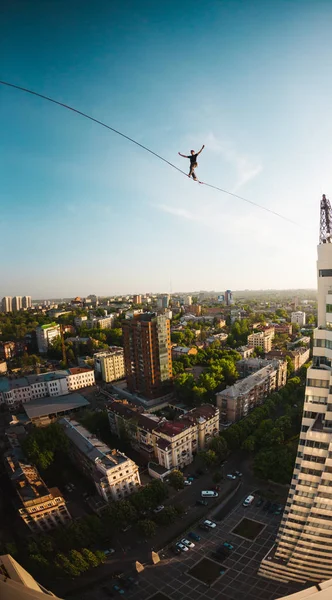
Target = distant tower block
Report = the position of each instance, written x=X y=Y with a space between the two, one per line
x=325 y=230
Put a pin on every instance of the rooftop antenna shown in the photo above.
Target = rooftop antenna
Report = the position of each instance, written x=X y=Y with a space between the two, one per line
x=325 y=230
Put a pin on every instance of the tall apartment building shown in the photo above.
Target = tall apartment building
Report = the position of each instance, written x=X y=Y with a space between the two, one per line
x=163 y=301
x=26 y=302
x=113 y=473
x=46 y=334
x=187 y=300
x=14 y=392
x=137 y=299
x=173 y=444
x=236 y=401
x=110 y=364
x=298 y=317
x=261 y=339
x=303 y=550
x=17 y=303
x=147 y=354
x=6 y=304
x=40 y=507
x=228 y=297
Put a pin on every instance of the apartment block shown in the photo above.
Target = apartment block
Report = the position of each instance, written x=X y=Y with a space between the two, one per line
x=110 y=364
x=298 y=317
x=236 y=401
x=14 y=392
x=262 y=339
x=245 y=351
x=114 y=475
x=172 y=444
x=147 y=355
x=17 y=303
x=46 y=334
x=137 y=299
x=6 y=304
x=303 y=549
x=40 y=507
x=283 y=328
x=26 y=302
x=100 y=322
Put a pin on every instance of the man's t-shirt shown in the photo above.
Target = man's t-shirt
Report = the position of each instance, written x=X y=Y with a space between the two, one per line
x=193 y=159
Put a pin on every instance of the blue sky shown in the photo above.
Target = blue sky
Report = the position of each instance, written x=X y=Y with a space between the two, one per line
x=84 y=211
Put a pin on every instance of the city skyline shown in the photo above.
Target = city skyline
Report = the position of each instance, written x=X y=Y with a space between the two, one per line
x=249 y=82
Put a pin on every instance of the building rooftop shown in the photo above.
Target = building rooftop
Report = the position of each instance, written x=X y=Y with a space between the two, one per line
x=58 y=404
x=93 y=448
x=129 y=411
x=7 y=384
x=28 y=484
x=247 y=384
x=53 y=324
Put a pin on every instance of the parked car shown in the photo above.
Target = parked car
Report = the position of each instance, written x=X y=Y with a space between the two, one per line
x=182 y=547
x=159 y=509
x=216 y=488
x=228 y=545
x=237 y=474
x=210 y=524
x=109 y=551
x=187 y=543
x=175 y=550
x=204 y=527
x=191 y=477
x=249 y=500
x=187 y=482
x=194 y=536
x=279 y=510
x=230 y=476
x=118 y=589
x=209 y=494
x=272 y=508
x=260 y=502
x=202 y=503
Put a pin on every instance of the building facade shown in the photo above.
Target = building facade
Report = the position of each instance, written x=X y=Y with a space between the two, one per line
x=110 y=364
x=137 y=299
x=236 y=401
x=228 y=297
x=40 y=507
x=46 y=334
x=6 y=304
x=298 y=317
x=100 y=322
x=26 y=302
x=303 y=550
x=261 y=339
x=14 y=392
x=113 y=473
x=172 y=444
x=17 y=303
x=147 y=355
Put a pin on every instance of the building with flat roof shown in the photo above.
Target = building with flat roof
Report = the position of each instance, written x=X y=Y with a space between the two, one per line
x=303 y=550
x=46 y=334
x=40 y=507
x=20 y=390
x=113 y=473
x=110 y=364
x=100 y=322
x=183 y=351
x=173 y=444
x=26 y=302
x=298 y=317
x=17 y=584
x=236 y=401
x=45 y=410
x=17 y=303
x=147 y=355
x=261 y=339
x=7 y=304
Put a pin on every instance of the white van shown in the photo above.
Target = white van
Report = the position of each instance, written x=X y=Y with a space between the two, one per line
x=249 y=500
x=209 y=494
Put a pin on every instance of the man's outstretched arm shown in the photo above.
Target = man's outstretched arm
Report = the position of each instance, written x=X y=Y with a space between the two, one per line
x=202 y=148
x=183 y=155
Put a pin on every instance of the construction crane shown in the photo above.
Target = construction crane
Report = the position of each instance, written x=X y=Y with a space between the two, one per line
x=325 y=230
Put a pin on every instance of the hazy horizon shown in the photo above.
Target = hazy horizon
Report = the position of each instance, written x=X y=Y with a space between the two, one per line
x=84 y=209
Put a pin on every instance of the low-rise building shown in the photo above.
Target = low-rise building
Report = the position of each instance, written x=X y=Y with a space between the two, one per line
x=100 y=322
x=298 y=317
x=79 y=321
x=172 y=443
x=3 y=367
x=46 y=334
x=113 y=473
x=245 y=351
x=183 y=351
x=40 y=507
x=217 y=337
x=43 y=411
x=282 y=328
x=110 y=364
x=30 y=387
x=262 y=339
x=299 y=356
x=236 y=401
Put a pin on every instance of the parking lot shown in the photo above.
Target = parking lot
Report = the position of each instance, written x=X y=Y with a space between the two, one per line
x=239 y=581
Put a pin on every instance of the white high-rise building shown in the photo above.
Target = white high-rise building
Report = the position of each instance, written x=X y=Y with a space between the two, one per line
x=45 y=335
x=298 y=317
x=17 y=303
x=187 y=300
x=303 y=550
x=6 y=304
x=26 y=302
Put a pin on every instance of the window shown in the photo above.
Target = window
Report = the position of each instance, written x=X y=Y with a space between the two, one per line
x=323 y=383
x=316 y=399
x=325 y=272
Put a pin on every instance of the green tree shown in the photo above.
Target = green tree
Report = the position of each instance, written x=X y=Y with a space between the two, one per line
x=216 y=477
x=64 y=564
x=100 y=556
x=77 y=559
x=249 y=444
x=208 y=457
x=167 y=516
x=290 y=366
x=219 y=446
x=90 y=557
x=176 y=479
x=39 y=561
x=177 y=337
x=146 y=528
